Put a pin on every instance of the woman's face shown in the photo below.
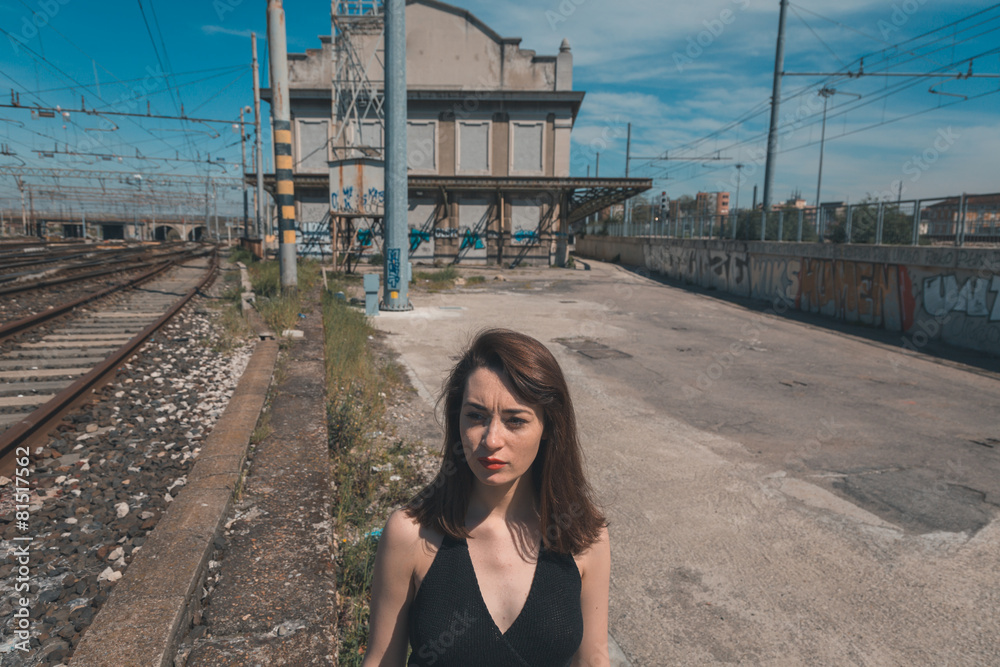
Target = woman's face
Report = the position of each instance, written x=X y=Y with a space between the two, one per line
x=500 y=433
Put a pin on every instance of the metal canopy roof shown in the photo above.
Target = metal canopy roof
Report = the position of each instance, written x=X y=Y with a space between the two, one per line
x=586 y=195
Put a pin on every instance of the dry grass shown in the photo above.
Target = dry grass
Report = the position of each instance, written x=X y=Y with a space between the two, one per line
x=371 y=468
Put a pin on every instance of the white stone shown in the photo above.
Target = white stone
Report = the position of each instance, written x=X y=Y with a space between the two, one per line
x=116 y=554
x=109 y=575
x=121 y=509
x=72 y=521
x=4 y=481
x=60 y=479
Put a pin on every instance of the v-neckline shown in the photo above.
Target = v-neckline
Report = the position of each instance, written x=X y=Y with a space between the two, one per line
x=482 y=600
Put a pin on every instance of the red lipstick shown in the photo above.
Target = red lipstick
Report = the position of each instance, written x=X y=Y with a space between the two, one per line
x=491 y=464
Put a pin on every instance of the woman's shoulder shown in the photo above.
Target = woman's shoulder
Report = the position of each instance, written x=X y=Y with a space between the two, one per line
x=404 y=534
x=598 y=553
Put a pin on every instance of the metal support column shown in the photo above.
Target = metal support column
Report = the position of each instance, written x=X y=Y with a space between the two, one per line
x=916 y=222
x=282 y=129
x=395 y=295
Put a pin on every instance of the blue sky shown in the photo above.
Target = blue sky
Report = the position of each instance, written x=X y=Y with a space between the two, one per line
x=694 y=80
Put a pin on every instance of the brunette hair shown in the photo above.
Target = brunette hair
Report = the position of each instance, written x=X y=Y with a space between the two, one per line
x=570 y=520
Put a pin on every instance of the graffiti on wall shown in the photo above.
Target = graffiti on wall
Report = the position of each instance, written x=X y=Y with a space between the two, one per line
x=872 y=293
x=942 y=295
x=776 y=279
x=723 y=270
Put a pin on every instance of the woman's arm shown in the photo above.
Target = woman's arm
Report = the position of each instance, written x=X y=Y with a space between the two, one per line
x=595 y=573
x=392 y=592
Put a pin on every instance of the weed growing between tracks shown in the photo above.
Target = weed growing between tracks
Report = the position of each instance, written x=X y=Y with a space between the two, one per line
x=372 y=469
x=280 y=312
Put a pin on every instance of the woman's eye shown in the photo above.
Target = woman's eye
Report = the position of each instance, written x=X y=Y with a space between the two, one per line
x=474 y=416
x=515 y=422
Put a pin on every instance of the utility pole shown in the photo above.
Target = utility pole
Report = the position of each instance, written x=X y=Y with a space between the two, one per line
x=628 y=159
x=243 y=174
x=826 y=94
x=395 y=297
x=208 y=218
x=628 y=150
x=215 y=213
x=24 y=214
x=31 y=208
x=259 y=170
x=772 y=134
x=282 y=134
x=597 y=173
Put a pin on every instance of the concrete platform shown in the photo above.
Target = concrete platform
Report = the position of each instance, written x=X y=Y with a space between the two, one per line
x=275 y=603
x=778 y=493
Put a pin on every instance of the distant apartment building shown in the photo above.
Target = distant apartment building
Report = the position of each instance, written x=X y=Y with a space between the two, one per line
x=712 y=203
x=982 y=215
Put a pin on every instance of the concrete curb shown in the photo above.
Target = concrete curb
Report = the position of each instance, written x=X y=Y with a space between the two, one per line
x=149 y=610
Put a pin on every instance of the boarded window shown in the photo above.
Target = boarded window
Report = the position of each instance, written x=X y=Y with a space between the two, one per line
x=421 y=146
x=524 y=217
x=313 y=142
x=527 y=147
x=475 y=147
x=421 y=222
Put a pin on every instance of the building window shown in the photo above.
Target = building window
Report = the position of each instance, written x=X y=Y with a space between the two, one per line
x=473 y=147
x=526 y=147
x=421 y=145
x=313 y=146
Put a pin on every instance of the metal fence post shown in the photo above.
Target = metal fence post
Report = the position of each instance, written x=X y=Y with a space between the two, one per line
x=763 y=225
x=878 y=224
x=960 y=225
x=781 y=225
x=916 y=223
x=802 y=215
x=850 y=221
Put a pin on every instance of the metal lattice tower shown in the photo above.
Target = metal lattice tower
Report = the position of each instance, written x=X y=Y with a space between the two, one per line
x=358 y=79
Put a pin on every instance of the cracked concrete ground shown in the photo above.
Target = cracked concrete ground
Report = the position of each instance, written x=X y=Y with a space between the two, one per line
x=779 y=492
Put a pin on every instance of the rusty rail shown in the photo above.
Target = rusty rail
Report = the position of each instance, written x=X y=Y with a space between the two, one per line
x=33 y=320
x=38 y=420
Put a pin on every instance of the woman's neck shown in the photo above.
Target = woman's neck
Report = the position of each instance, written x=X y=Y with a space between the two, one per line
x=509 y=503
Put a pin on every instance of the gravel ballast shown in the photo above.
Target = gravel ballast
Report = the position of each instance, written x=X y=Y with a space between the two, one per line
x=105 y=478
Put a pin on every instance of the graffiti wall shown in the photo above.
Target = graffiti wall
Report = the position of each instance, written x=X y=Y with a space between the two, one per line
x=946 y=294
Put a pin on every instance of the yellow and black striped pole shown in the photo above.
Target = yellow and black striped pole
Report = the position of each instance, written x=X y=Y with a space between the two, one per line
x=282 y=130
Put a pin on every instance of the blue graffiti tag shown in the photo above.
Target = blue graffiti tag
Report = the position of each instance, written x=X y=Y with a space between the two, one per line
x=525 y=237
x=348 y=196
x=392 y=268
x=333 y=201
x=418 y=238
x=373 y=198
x=365 y=237
x=472 y=240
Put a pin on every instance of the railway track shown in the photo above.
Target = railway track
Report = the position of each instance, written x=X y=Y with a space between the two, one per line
x=51 y=360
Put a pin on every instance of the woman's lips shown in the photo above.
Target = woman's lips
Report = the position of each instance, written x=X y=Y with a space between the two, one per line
x=491 y=464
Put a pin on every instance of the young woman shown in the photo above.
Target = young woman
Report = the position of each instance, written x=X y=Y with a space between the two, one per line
x=503 y=559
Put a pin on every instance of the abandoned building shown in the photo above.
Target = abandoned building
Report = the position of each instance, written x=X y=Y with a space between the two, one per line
x=488 y=130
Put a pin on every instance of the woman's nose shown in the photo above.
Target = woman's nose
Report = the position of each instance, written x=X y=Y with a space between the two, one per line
x=493 y=433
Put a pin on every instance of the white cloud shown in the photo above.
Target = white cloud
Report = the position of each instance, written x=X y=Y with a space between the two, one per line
x=219 y=30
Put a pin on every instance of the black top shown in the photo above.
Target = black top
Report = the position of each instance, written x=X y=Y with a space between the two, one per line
x=450 y=625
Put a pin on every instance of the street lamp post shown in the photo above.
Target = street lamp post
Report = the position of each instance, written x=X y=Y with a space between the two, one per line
x=826 y=93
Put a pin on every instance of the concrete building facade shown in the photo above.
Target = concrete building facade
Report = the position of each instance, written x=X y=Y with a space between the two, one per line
x=489 y=127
